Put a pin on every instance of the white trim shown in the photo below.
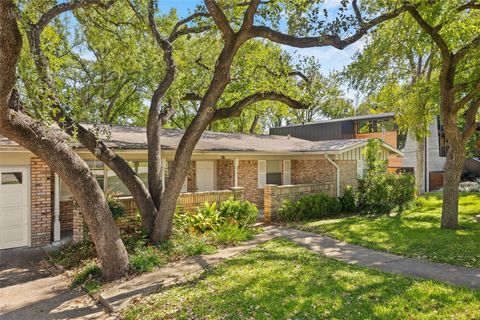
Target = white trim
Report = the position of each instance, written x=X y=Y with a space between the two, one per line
x=235 y=169
x=338 y=173
x=287 y=172
x=164 y=169
x=262 y=173
x=56 y=210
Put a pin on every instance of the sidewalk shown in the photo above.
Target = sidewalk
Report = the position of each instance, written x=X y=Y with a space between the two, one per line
x=118 y=297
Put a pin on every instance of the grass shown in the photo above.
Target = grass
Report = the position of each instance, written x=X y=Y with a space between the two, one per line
x=80 y=259
x=280 y=280
x=414 y=233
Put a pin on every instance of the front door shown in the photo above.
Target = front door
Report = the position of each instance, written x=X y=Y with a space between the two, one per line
x=14 y=206
x=205 y=172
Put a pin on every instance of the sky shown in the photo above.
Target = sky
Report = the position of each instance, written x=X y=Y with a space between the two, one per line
x=331 y=59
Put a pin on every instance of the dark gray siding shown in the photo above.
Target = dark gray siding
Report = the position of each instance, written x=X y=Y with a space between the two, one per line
x=313 y=131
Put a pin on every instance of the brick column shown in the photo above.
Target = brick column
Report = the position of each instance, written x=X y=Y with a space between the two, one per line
x=269 y=206
x=238 y=193
x=41 y=202
x=78 y=224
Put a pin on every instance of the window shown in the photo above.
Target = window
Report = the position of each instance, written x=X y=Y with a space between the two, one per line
x=115 y=185
x=365 y=127
x=371 y=126
x=12 y=178
x=274 y=172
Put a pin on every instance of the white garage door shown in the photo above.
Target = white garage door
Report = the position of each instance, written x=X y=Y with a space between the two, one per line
x=205 y=171
x=14 y=206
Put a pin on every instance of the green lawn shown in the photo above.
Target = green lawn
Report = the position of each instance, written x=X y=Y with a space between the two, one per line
x=280 y=280
x=414 y=233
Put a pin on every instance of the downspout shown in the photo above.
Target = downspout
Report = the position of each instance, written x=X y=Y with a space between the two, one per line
x=338 y=173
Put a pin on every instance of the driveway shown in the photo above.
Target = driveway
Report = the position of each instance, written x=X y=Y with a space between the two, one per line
x=28 y=290
x=21 y=265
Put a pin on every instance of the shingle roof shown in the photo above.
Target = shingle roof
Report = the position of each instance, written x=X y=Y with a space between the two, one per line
x=135 y=138
x=128 y=137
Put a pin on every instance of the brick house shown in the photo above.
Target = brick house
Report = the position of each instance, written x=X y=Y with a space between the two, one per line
x=36 y=208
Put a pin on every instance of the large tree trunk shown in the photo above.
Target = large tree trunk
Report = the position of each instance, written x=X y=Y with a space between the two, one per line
x=420 y=166
x=453 y=171
x=52 y=147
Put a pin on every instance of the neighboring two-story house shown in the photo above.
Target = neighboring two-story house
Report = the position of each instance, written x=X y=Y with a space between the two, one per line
x=380 y=126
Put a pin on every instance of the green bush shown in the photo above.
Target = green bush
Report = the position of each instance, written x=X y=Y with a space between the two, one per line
x=145 y=259
x=187 y=244
x=232 y=233
x=116 y=206
x=205 y=219
x=310 y=207
x=380 y=193
x=347 y=201
x=87 y=274
x=242 y=213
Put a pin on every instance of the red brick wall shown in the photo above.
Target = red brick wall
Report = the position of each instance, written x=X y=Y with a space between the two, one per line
x=248 y=179
x=312 y=171
x=225 y=174
x=66 y=215
x=41 y=202
x=192 y=178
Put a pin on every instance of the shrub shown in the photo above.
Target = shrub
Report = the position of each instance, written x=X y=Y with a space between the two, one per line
x=87 y=274
x=347 y=201
x=380 y=193
x=232 y=233
x=116 y=206
x=242 y=213
x=187 y=244
x=205 y=219
x=145 y=259
x=310 y=207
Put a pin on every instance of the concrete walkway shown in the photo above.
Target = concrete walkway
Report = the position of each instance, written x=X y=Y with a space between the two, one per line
x=118 y=297
x=335 y=249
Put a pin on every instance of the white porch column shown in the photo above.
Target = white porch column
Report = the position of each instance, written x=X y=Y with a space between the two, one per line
x=56 y=210
x=235 y=169
x=164 y=168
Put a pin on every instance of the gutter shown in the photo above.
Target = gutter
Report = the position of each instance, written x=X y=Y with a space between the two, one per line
x=338 y=173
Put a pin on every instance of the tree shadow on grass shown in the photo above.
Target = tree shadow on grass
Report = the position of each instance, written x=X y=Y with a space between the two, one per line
x=279 y=280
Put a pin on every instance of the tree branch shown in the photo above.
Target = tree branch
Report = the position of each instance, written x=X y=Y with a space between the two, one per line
x=249 y=16
x=219 y=17
x=431 y=31
x=236 y=109
x=358 y=14
x=324 y=40
x=470 y=119
x=468 y=97
x=58 y=9
x=457 y=57
x=474 y=5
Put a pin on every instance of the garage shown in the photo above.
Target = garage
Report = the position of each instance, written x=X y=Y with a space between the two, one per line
x=14 y=206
